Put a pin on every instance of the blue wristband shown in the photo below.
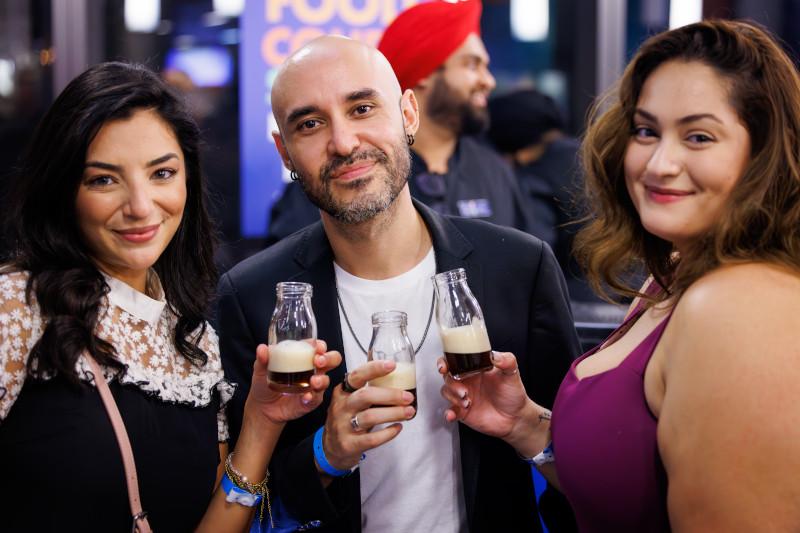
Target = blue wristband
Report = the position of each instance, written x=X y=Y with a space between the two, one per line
x=236 y=495
x=322 y=461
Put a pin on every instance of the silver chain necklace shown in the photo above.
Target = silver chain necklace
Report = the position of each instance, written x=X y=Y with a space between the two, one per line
x=353 y=333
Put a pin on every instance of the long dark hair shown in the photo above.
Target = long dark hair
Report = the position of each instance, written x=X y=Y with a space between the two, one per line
x=760 y=220
x=45 y=238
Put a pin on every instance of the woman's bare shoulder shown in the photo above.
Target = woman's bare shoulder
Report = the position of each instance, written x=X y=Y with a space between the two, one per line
x=752 y=291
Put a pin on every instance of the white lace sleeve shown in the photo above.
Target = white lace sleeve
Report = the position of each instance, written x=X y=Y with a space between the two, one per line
x=20 y=328
x=210 y=344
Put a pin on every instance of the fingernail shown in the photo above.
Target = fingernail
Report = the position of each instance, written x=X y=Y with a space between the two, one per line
x=410 y=411
x=408 y=397
x=466 y=404
x=495 y=357
x=441 y=368
x=462 y=394
x=388 y=364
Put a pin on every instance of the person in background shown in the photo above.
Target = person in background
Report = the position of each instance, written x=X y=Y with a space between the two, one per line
x=344 y=127
x=692 y=170
x=435 y=49
x=112 y=274
x=527 y=128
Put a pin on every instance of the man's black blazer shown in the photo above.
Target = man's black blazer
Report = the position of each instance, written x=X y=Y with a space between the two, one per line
x=522 y=292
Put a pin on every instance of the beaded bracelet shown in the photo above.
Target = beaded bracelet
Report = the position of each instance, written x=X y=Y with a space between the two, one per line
x=260 y=491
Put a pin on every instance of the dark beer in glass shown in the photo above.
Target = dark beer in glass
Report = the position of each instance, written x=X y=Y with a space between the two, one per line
x=461 y=325
x=292 y=339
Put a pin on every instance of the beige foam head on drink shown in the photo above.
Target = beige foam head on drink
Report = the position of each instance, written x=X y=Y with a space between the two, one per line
x=291 y=356
x=466 y=339
x=404 y=377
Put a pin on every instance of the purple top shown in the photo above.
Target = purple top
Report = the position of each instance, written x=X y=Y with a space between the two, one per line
x=604 y=440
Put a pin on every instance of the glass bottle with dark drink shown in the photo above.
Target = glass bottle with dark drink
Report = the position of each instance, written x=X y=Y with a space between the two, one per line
x=390 y=342
x=461 y=325
x=292 y=339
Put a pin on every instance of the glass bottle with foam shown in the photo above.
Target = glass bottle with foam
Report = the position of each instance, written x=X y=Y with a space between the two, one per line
x=292 y=338
x=461 y=325
x=390 y=342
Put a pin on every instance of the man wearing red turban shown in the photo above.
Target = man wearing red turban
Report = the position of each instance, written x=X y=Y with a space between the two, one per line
x=435 y=49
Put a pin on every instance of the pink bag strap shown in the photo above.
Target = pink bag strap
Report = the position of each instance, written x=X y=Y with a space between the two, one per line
x=140 y=523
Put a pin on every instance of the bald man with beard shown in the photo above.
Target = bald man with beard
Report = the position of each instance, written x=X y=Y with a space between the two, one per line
x=360 y=462
x=435 y=49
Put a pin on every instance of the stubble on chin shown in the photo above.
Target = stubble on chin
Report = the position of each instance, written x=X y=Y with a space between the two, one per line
x=391 y=173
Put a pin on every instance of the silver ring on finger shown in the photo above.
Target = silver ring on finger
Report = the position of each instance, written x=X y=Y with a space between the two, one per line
x=354 y=423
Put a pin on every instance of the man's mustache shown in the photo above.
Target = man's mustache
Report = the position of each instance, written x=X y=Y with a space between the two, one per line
x=336 y=162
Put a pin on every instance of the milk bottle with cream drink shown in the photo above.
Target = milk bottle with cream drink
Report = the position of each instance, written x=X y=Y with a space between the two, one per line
x=461 y=325
x=292 y=339
x=390 y=342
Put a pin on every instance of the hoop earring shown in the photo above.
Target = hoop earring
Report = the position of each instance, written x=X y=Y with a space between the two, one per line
x=293 y=175
x=410 y=139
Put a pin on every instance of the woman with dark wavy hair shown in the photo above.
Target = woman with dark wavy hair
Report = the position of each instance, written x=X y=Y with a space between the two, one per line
x=113 y=265
x=685 y=417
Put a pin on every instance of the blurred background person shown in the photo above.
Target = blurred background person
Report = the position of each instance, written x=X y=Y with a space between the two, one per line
x=527 y=128
x=435 y=49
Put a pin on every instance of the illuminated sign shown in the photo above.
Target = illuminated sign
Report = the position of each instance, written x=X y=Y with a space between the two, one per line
x=271 y=31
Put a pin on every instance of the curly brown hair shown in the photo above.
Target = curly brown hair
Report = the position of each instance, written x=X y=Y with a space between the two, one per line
x=761 y=218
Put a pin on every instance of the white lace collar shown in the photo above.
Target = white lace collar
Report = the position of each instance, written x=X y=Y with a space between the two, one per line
x=134 y=302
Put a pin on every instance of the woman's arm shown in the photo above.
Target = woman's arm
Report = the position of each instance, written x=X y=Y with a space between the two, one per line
x=495 y=403
x=265 y=414
x=729 y=426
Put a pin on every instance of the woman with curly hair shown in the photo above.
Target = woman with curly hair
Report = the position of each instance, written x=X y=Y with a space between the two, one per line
x=685 y=417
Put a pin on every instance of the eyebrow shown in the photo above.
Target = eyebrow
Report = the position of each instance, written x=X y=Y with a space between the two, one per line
x=683 y=120
x=477 y=57
x=296 y=114
x=360 y=94
x=116 y=168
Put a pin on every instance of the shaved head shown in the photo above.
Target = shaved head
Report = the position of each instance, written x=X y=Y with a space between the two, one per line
x=331 y=55
x=344 y=127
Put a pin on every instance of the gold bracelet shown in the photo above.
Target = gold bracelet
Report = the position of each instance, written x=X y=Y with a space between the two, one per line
x=241 y=481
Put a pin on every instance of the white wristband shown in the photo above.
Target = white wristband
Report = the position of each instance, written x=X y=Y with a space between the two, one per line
x=545 y=456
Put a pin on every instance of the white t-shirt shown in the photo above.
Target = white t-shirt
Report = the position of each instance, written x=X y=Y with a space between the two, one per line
x=412 y=483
